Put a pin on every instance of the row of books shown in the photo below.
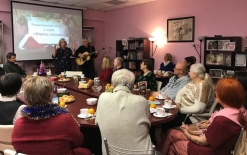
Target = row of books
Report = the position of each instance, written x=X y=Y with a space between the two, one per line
x=131 y=55
x=130 y=65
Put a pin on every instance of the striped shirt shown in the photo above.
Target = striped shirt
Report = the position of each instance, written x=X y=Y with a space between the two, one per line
x=174 y=85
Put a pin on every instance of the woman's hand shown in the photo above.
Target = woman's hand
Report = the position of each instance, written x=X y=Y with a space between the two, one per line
x=184 y=126
x=204 y=124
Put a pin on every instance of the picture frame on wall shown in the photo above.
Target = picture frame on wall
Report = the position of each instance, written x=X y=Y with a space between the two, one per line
x=240 y=59
x=181 y=29
x=215 y=73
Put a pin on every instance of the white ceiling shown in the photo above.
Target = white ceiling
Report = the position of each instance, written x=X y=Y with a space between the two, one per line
x=103 y=5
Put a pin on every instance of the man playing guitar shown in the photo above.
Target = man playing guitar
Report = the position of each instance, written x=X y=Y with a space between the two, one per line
x=88 y=66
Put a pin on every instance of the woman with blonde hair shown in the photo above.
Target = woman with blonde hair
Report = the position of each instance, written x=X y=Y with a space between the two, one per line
x=63 y=55
x=45 y=128
x=167 y=65
x=107 y=67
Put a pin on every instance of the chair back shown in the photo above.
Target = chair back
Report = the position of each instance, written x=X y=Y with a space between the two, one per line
x=212 y=107
x=5 y=137
x=158 y=84
x=241 y=144
x=114 y=150
x=11 y=152
x=72 y=73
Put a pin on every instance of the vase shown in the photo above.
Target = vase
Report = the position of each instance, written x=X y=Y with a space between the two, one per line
x=180 y=37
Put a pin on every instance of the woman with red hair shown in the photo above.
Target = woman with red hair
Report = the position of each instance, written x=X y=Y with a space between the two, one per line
x=223 y=132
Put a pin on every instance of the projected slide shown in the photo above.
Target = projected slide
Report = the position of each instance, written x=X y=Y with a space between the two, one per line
x=38 y=28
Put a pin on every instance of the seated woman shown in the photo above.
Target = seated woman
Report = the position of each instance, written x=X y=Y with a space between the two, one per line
x=106 y=74
x=167 y=65
x=146 y=66
x=189 y=61
x=45 y=128
x=203 y=125
x=193 y=97
x=130 y=125
x=222 y=134
x=10 y=85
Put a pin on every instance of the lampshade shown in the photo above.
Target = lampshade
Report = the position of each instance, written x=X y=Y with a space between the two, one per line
x=152 y=39
x=200 y=38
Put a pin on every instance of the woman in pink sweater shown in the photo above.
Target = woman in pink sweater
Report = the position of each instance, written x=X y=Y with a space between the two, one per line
x=45 y=128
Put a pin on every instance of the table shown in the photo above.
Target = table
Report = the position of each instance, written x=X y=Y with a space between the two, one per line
x=80 y=102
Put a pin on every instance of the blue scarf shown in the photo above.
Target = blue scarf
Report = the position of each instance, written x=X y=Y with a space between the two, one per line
x=39 y=112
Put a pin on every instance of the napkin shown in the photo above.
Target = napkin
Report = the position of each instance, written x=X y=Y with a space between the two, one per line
x=153 y=102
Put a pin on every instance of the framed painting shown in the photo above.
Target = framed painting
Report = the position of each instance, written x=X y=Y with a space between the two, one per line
x=181 y=29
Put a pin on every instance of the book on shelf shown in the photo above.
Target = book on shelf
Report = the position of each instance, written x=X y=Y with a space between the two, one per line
x=229 y=46
x=139 y=55
x=221 y=44
x=212 y=44
x=132 y=65
x=228 y=60
x=132 y=55
x=215 y=59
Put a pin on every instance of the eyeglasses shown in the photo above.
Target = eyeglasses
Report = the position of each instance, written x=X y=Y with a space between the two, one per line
x=177 y=69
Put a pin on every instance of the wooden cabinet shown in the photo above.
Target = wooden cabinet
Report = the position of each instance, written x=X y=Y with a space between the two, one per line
x=222 y=55
x=133 y=52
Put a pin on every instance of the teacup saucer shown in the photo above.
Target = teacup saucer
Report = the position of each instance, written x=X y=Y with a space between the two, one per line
x=160 y=98
x=171 y=107
x=164 y=115
x=83 y=116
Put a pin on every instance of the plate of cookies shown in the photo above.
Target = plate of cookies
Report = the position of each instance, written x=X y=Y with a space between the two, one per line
x=64 y=80
x=66 y=98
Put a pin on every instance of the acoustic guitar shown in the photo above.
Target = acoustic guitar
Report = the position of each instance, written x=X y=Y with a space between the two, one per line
x=83 y=57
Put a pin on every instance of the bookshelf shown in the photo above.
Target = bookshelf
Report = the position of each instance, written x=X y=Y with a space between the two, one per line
x=133 y=52
x=223 y=55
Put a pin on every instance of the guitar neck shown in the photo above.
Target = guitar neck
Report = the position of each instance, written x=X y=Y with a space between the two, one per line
x=92 y=53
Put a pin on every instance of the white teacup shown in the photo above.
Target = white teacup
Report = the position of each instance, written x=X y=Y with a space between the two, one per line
x=83 y=112
x=160 y=111
x=155 y=71
x=168 y=103
x=83 y=76
x=160 y=96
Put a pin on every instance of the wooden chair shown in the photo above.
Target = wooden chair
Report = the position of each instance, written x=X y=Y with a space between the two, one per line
x=158 y=84
x=239 y=142
x=114 y=150
x=5 y=137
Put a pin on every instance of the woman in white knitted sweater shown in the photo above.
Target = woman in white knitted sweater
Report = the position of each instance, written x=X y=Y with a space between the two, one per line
x=198 y=93
x=193 y=97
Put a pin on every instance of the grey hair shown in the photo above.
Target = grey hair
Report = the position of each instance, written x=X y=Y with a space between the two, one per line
x=123 y=77
x=201 y=73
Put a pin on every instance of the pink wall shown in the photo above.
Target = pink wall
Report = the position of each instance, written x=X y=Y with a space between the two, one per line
x=5 y=17
x=226 y=18
x=95 y=19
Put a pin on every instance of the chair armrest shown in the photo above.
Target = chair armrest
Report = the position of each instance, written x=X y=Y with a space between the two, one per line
x=202 y=115
x=187 y=116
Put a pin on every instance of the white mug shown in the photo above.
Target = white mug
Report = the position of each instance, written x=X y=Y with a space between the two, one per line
x=155 y=71
x=83 y=112
x=160 y=111
x=83 y=75
x=168 y=103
